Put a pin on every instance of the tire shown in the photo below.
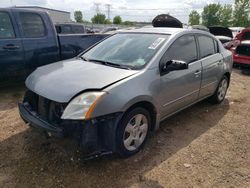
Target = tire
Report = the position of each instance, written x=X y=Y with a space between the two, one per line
x=221 y=91
x=132 y=132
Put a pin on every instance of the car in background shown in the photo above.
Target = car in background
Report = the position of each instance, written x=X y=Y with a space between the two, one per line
x=243 y=35
x=28 y=39
x=112 y=95
x=108 y=29
x=236 y=30
x=200 y=27
x=241 y=54
x=224 y=34
x=70 y=28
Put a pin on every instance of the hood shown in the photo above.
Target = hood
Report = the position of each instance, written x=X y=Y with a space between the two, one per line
x=221 y=31
x=63 y=80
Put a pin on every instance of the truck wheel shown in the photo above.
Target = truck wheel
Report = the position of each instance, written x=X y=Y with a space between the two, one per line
x=132 y=132
x=221 y=91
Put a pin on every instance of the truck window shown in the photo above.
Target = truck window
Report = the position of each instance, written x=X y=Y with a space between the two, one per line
x=66 y=29
x=183 y=49
x=77 y=29
x=6 y=27
x=32 y=25
x=207 y=47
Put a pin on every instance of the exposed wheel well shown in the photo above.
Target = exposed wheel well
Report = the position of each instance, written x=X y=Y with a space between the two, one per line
x=150 y=108
x=227 y=74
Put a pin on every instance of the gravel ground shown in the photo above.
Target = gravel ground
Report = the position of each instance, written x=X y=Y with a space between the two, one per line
x=202 y=146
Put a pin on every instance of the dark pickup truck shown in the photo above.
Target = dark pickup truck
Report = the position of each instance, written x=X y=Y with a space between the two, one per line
x=28 y=39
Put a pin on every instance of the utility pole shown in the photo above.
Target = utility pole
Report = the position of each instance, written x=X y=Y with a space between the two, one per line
x=97 y=7
x=108 y=6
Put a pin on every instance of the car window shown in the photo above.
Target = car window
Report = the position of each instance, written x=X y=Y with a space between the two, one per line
x=206 y=45
x=6 y=27
x=216 y=46
x=183 y=49
x=32 y=25
x=246 y=36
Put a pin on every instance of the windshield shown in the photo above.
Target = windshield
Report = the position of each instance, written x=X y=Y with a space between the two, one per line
x=132 y=50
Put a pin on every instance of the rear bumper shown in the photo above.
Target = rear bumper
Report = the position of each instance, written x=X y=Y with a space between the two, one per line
x=94 y=137
x=241 y=60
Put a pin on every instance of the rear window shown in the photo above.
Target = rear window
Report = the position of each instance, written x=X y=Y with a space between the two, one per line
x=32 y=25
x=6 y=28
x=246 y=36
x=207 y=46
x=66 y=29
x=77 y=29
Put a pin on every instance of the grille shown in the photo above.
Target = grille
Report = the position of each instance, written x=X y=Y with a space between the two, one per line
x=46 y=109
x=243 y=50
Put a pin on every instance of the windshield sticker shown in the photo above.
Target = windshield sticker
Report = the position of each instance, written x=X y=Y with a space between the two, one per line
x=156 y=43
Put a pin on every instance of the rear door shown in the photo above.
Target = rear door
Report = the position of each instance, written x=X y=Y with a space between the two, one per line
x=181 y=88
x=11 y=49
x=39 y=38
x=212 y=65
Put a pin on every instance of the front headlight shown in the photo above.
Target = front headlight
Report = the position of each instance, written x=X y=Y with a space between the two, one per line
x=82 y=106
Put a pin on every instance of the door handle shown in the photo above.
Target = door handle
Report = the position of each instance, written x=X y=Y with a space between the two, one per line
x=220 y=62
x=197 y=72
x=11 y=47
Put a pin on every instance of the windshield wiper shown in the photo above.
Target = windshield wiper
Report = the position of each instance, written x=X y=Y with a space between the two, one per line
x=110 y=64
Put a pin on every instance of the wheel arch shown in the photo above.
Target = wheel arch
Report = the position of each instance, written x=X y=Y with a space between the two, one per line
x=147 y=105
x=228 y=75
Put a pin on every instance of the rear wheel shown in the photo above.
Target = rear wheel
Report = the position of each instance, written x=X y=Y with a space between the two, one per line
x=132 y=132
x=221 y=91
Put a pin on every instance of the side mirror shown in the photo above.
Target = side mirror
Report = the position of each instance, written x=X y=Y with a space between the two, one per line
x=173 y=65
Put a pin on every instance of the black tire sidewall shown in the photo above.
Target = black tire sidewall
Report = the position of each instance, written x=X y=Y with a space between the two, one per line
x=120 y=148
x=216 y=93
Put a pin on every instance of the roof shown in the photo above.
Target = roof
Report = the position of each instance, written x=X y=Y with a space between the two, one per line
x=37 y=7
x=157 y=30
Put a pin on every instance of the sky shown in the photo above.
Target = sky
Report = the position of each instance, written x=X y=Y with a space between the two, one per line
x=133 y=10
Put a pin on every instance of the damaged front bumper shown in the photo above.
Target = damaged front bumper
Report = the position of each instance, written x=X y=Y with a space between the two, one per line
x=95 y=137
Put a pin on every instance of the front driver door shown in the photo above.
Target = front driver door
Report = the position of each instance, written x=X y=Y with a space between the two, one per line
x=180 y=88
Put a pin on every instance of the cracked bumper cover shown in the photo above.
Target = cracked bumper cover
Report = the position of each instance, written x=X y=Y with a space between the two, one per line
x=94 y=137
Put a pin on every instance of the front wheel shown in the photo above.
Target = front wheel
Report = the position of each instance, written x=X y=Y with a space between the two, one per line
x=221 y=91
x=132 y=131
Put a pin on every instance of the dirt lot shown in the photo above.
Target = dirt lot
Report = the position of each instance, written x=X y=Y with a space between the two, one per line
x=203 y=146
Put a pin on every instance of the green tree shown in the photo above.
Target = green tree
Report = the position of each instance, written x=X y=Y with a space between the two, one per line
x=194 y=18
x=226 y=13
x=128 y=23
x=241 y=15
x=211 y=15
x=99 y=19
x=78 y=16
x=117 y=20
x=107 y=21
